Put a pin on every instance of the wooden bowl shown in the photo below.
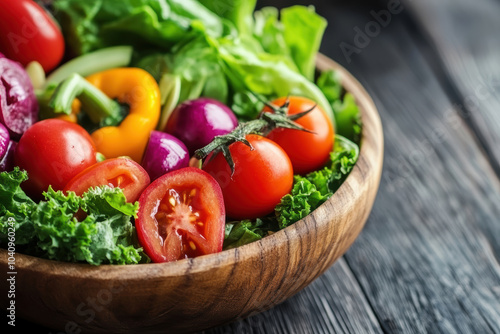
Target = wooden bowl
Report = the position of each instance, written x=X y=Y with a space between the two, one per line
x=195 y=294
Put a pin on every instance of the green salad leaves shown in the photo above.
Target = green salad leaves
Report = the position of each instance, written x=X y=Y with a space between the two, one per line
x=216 y=48
x=313 y=189
x=95 y=228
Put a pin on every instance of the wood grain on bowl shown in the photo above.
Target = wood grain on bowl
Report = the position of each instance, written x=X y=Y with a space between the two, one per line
x=195 y=294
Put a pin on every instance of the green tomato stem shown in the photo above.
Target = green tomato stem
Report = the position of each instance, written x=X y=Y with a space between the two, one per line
x=263 y=125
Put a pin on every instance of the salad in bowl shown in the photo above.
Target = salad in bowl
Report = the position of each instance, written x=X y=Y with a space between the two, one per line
x=171 y=165
x=154 y=131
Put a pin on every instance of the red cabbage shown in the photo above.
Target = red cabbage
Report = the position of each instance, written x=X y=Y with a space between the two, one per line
x=18 y=103
x=7 y=161
x=4 y=140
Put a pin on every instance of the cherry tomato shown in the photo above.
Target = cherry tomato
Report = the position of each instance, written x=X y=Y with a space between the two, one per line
x=307 y=151
x=181 y=215
x=118 y=172
x=262 y=176
x=28 y=33
x=53 y=151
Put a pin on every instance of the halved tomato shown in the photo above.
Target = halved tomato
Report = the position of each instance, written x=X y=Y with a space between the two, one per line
x=117 y=172
x=181 y=215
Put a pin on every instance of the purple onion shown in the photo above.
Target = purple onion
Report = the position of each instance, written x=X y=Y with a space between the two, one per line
x=18 y=103
x=4 y=140
x=197 y=122
x=164 y=154
x=7 y=161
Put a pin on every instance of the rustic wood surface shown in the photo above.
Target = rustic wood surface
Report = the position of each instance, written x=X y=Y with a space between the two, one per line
x=428 y=258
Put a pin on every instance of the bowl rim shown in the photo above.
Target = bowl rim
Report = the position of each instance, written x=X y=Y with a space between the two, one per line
x=231 y=256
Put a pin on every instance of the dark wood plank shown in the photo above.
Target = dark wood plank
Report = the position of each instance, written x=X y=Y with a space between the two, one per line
x=465 y=35
x=428 y=259
x=333 y=303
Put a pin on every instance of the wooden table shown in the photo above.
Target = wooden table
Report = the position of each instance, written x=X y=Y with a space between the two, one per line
x=427 y=260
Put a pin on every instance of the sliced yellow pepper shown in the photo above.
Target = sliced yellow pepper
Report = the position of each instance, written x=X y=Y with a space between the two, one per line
x=100 y=95
x=139 y=90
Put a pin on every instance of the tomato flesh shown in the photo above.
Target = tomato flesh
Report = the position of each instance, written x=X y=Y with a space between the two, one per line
x=117 y=173
x=181 y=222
x=181 y=215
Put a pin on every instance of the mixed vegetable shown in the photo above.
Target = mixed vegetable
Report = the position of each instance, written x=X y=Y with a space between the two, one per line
x=138 y=131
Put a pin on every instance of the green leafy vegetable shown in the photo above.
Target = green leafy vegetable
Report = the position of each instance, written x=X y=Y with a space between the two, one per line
x=247 y=231
x=297 y=36
x=239 y=12
x=330 y=84
x=94 y=24
x=212 y=46
x=51 y=230
x=304 y=31
x=315 y=188
x=303 y=199
x=348 y=118
x=346 y=110
x=16 y=205
x=266 y=74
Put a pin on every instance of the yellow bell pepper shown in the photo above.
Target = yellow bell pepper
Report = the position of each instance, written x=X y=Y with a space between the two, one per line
x=100 y=96
x=139 y=90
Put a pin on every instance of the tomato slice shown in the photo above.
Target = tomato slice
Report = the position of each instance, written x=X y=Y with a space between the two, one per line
x=117 y=172
x=181 y=215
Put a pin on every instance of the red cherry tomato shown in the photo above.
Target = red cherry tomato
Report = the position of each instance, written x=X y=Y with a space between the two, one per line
x=28 y=33
x=53 y=151
x=262 y=176
x=307 y=151
x=181 y=215
x=118 y=172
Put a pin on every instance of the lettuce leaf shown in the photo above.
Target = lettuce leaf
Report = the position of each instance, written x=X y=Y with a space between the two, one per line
x=313 y=189
x=297 y=35
x=345 y=109
x=303 y=31
x=218 y=49
x=93 y=24
x=246 y=231
x=239 y=12
x=251 y=70
x=303 y=199
x=15 y=205
x=96 y=228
